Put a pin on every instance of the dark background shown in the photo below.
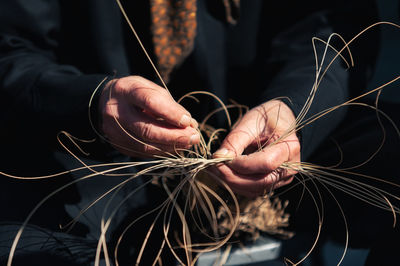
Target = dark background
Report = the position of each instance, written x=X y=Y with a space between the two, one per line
x=387 y=68
x=388 y=65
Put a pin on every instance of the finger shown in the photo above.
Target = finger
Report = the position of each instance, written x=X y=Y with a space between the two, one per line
x=268 y=159
x=156 y=131
x=252 y=185
x=131 y=121
x=136 y=148
x=240 y=185
x=244 y=134
x=156 y=101
x=283 y=182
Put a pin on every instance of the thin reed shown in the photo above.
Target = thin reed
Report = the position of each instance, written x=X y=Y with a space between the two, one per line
x=196 y=194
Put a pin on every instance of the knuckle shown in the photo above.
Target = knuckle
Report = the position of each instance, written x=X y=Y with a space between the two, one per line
x=296 y=148
x=231 y=180
x=108 y=111
x=137 y=78
x=146 y=131
x=139 y=81
x=275 y=176
x=151 y=150
x=119 y=84
x=272 y=162
x=147 y=148
x=225 y=175
x=148 y=100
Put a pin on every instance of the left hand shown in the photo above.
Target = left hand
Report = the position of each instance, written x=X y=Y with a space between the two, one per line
x=255 y=171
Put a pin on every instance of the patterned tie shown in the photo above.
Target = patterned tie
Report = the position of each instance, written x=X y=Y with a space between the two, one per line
x=174 y=30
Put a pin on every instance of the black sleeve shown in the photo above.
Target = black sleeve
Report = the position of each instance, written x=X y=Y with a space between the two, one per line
x=38 y=93
x=293 y=65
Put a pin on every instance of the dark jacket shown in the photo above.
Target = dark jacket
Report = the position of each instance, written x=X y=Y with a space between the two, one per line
x=53 y=54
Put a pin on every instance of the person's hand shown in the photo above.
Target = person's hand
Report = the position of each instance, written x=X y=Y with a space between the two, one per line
x=140 y=118
x=255 y=171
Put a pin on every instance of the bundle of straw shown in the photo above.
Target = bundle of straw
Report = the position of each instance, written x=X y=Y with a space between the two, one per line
x=194 y=192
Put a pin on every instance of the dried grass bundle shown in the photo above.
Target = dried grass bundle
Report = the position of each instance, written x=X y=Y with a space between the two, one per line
x=258 y=216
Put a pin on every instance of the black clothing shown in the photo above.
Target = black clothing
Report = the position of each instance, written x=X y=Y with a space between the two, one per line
x=369 y=228
x=53 y=54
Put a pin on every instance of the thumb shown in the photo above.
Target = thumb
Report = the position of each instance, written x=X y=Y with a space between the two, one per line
x=235 y=143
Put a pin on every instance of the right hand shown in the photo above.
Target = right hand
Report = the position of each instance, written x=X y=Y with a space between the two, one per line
x=149 y=114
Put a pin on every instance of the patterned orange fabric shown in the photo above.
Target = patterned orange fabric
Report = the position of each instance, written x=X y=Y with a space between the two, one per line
x=174 y=30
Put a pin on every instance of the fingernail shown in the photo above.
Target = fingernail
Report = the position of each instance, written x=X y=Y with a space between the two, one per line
x=194 y=139
x=185 y=121
x=221 y=153
x=194 y=124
